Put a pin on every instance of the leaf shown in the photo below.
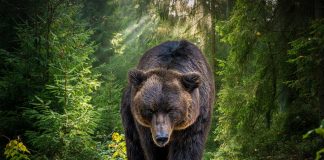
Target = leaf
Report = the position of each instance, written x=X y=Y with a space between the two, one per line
x=7 y=152
x=48 y=103
x=15 y=142
x=320 y=131
x=20 y=145
x=13 y=153
x=322 y=124
x=39 y=99
x=307 y=134
x=318 y=154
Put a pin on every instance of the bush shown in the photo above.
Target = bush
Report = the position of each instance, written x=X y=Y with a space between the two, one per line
x=16 y=150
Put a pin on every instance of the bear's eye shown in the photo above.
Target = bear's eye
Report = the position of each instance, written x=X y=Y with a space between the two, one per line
x=147 y=113
x=174 y=115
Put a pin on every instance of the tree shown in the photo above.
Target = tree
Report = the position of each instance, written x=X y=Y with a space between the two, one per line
x=260 y=114
x=63 y=118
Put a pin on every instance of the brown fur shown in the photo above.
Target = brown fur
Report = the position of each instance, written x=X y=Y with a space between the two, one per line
x=150 y=93
x=166 y=108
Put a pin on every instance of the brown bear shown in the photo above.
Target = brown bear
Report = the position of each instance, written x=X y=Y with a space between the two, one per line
x=167 y=105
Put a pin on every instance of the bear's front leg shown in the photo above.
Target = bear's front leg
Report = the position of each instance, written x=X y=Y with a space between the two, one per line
x=134 y=149
x=189 y=144
x=189 y=149
x=151 y=151
x=133 y=145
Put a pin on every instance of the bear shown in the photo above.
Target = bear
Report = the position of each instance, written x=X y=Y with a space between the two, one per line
x=167 y=105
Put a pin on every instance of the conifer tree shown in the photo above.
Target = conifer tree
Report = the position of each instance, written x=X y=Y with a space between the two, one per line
x=62 y=115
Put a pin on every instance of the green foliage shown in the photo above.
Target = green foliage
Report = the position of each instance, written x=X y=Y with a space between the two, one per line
x=62 y=114
x=248 y=72
x=319 y=131
x=306 y=54
x=64 y=63
x=16 y=150
x=107 y=101
x=117 y=147
x=258 y=118
x=114 y=147
x=21 y=76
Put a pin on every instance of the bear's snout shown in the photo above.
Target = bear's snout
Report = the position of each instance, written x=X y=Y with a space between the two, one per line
x=162 y=138
x=161 y=129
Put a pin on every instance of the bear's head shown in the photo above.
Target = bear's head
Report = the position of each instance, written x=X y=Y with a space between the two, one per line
x=164 y=101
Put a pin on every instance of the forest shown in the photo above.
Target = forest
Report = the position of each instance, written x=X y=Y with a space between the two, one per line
x=64 y=64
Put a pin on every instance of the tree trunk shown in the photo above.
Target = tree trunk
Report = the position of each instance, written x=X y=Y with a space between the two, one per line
x=229 y=6
x=213 y=34
x=319 y=13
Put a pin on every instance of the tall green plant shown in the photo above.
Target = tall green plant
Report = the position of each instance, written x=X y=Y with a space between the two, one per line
x=246 y=97
x=63 y=118
x=107 y=100
x=307 y=54
x=260 y=116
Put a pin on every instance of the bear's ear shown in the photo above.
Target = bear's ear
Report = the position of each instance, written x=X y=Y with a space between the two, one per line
x=136 y=77
x=191 y=80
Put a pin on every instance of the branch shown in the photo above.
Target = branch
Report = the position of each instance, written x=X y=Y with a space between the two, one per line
x=5 y=137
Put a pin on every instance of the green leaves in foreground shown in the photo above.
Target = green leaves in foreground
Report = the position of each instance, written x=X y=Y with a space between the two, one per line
x=319 y=131
x=16 y=150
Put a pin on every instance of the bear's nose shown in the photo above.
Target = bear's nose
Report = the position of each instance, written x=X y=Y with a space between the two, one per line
x=162 y=139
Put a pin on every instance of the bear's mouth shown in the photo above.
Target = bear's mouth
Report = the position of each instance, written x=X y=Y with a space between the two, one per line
x=161 y=137
x=161 y=141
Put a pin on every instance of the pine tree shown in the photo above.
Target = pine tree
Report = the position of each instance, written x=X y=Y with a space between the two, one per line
x=260 y=114
x=62 y=115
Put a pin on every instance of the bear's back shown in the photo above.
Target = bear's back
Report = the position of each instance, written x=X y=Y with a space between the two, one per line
x=181 y=56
